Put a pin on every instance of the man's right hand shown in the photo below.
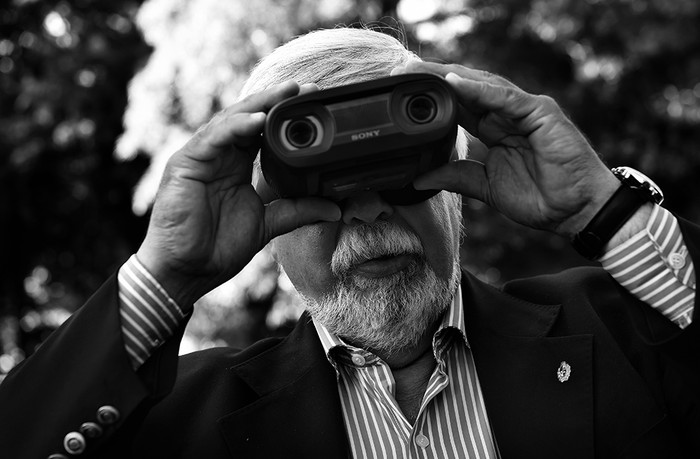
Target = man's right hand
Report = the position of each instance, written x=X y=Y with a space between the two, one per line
x=208 y=221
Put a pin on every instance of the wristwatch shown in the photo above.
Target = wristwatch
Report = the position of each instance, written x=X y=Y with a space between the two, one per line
x=635 y=190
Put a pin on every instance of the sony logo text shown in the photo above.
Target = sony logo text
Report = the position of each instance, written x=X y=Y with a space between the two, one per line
x=365 y=135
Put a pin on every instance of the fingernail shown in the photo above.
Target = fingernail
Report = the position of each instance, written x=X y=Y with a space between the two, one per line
x=258 y=117
x=398 y=70
x=453 y=76
x=308 y=87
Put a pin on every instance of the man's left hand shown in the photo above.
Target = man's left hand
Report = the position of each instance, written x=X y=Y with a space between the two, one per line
x=539 y=170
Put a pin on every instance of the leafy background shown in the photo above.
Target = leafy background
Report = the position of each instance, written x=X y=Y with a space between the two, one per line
x=95 y=96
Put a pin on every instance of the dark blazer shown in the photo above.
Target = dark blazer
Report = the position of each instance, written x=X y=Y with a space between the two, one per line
x=633 y=391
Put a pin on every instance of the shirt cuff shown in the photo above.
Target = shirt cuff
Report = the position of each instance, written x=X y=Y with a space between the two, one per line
x=148 y=315
x=654 y=265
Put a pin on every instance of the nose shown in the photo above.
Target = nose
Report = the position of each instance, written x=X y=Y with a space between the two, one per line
x=365 y=207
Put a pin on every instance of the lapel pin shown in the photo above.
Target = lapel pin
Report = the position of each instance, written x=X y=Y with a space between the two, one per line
x=563 y=372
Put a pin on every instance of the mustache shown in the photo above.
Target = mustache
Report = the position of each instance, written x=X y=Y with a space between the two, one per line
x=360 y=243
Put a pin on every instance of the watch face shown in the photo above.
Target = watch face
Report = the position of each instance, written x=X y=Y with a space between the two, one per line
x=638 y=180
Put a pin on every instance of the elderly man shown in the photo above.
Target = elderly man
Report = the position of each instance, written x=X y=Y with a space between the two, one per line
x=400 y=353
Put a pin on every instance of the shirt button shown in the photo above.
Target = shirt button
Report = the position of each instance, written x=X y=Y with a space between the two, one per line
x=74 y=443
x=358 y=360
x=422 y=441
x=676 y=260
x=107 y=415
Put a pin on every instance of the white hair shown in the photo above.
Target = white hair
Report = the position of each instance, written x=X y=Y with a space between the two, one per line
x=329 y=58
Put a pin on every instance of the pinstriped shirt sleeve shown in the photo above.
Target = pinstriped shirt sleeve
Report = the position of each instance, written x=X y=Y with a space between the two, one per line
x=654 y=266
x=148 y=315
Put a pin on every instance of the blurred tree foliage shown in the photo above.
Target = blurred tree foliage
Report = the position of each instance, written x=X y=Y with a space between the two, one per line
x=65 y=199
x=626 y=71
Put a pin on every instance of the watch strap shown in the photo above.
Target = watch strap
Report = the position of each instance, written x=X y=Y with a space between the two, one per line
x=591 y=241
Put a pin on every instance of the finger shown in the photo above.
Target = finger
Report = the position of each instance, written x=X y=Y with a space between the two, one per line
x=466 y=177
x=506 y=101
x=245 y=119
x=308 y=87
x=239 y=129
x=284 y=215
x=480 y=92
x=488 y=91
x=464 y=72
x=401 y=69
x=263 y=101
x=260 y=102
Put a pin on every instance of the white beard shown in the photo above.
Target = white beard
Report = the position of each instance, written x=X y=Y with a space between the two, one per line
x=389 y=313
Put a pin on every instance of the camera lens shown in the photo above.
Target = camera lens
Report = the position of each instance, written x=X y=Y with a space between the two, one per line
x=301 y=132
x=421 y=109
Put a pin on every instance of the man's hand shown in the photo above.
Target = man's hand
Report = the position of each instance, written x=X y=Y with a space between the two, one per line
x=208 y=221
x=539 y=170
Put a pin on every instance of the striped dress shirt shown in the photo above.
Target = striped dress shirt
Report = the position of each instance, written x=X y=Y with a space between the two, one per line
x=452 y=421
x=653 y=265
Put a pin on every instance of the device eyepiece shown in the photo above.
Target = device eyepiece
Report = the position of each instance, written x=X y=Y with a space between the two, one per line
x=421 y=109
x=301 y=133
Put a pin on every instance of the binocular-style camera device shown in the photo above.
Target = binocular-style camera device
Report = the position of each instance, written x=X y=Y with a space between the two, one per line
x=377 y=135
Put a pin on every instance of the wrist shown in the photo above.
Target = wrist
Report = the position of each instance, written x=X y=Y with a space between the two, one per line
x=624 y=214
x=180 y=287
x=603 y=190
x=634 y=225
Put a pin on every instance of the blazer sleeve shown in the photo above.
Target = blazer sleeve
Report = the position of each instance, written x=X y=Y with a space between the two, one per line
x=680 y=352
x=82 y=374
x=681 y=346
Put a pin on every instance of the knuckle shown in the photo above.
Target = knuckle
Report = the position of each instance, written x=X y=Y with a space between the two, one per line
x=548 y=105
x=251 y=97
x=547 y=102
x=201 y=131
x=511 y=95
x=455 y=68
x=204 y=129
x=484 y=73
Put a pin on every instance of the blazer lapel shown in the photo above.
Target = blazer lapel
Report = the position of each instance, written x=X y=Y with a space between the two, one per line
x=543 y=395
x=298 y=413
x=531 y=412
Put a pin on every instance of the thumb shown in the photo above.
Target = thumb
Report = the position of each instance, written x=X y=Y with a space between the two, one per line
x=285 y=215
x=466 y=176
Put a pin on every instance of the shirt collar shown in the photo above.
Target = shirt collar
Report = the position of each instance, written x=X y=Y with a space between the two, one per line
x=452 y=322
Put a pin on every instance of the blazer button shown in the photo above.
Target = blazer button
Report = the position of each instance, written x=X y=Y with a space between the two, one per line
x=90 y=430
x=74 y=443
x=107 y=415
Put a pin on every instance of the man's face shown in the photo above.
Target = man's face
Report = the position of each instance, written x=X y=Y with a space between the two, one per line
x=383 y=273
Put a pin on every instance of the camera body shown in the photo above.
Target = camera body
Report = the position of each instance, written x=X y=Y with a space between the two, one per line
x=377 y=135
